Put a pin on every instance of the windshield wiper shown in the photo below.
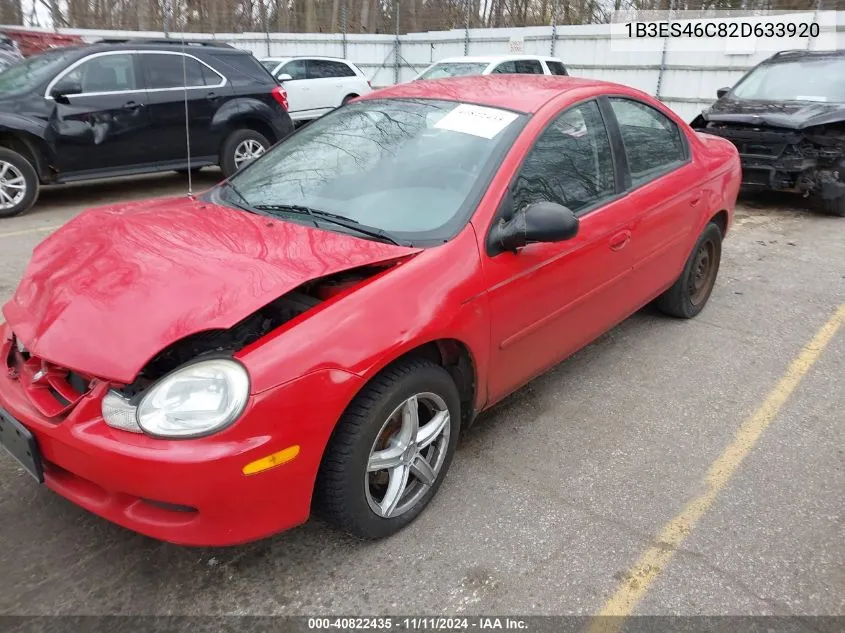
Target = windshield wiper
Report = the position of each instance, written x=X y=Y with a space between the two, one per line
x=331 y=218
x=245 y=206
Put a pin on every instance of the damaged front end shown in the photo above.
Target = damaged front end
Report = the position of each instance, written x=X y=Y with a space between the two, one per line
x=808 y=161
x=55 y=391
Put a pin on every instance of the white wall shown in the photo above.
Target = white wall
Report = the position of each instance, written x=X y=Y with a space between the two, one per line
x=693 y=70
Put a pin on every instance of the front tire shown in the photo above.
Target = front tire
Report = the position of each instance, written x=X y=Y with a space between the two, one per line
x=390 y=451
x=240 y=148
x=834 y=206
x=18 y=183
x=689 y=294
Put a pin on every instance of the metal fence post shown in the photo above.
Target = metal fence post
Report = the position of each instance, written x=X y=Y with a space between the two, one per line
x=554 y=32
x=466 y=27
x=663 y=55
x=396 y=42
x=343 y=28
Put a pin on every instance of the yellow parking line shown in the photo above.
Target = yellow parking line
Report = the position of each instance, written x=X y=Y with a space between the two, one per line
x=644 y=572
x=40 y=229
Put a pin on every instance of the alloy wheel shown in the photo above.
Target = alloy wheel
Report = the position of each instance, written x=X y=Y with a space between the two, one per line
x=407 y=455
x=246 y=151
x=12 y=185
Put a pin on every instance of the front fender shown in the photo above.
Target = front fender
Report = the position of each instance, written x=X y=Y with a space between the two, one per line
x=34 y=133
x=437 y=294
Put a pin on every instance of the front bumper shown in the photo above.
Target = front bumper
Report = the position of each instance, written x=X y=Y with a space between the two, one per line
x=191 y=492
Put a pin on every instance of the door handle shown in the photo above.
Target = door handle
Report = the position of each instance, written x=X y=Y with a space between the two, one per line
x=695 y=200
x=620 y=240
x=132 y=105
x=211 y=96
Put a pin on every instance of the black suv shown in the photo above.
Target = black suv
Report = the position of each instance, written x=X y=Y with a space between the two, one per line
x=786 y=117
x=118 y=108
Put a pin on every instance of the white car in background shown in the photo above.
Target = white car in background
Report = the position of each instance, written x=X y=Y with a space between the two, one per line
x=316 y=85
x=494 y=65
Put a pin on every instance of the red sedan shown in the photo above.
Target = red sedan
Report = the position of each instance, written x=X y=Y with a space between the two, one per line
x=317 y=331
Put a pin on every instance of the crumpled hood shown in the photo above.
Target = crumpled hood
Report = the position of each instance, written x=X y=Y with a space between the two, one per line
x=113 y=287
x=793 y=115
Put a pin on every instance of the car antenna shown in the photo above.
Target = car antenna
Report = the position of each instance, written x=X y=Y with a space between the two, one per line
x=187 y=120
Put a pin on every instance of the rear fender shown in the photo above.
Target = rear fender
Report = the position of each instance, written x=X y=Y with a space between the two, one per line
x=236 y=110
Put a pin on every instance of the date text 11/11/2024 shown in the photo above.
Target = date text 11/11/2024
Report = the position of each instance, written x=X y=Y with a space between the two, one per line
x=722 y=29
x=424 y=623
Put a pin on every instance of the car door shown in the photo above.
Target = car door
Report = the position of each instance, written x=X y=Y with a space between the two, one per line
x=174 y=80
x=329 y=81
x=549 y=299
x=665 y=187
x=102 y=121
x=301 y=99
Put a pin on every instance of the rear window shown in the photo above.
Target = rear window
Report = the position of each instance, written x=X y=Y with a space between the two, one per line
x=556 y=68
x=324 y=68
x=242 y=69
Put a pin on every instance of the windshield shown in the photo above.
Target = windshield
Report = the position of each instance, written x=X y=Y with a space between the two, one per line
x=808 y=79
x=409 y=168
x=27 y=74
x=269 y=64
x=454 y=69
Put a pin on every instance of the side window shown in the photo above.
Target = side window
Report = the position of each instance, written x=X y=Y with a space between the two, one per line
x=652 y=141
x=504 y=68
x=295 y=69
x=324 y=68
x=528 y=67
x=570 y=163
x=105 y=73
x=556 y=68
x=166 y=71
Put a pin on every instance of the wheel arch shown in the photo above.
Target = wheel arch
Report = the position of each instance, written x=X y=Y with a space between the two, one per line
x=28 y=145
x=721 y=220
x=453 y=355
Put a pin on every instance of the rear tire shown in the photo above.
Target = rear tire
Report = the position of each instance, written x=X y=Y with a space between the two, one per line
x=18 y=183
x=357 y=496
x=689 y=294
x=835 y=206
x=240 y=148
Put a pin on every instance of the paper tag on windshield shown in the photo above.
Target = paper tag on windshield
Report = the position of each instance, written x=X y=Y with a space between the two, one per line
x=476 y=120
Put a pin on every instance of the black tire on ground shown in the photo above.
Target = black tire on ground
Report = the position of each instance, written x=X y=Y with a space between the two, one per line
x=689 y=294
x=24 y=168
x=835 y=206
x=347 y=99
x=343 y=482
x=230 y=145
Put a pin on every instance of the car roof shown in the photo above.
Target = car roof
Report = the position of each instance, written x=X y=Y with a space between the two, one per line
x=285 y=59
x=495 y=58
x=191 y=47
x=524 y=93
x=784 y=56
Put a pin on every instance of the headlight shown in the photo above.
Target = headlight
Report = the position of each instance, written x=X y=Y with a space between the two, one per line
x=195 y=400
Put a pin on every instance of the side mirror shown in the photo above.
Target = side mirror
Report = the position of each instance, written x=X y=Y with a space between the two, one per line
x=721 y=92
x=284 y=77
x=538 y=222
x=65 y=88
